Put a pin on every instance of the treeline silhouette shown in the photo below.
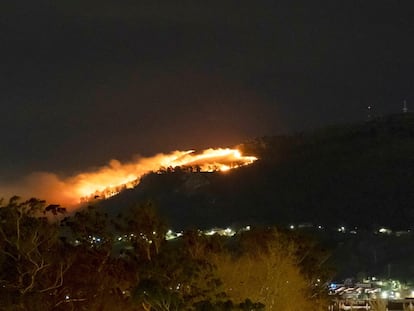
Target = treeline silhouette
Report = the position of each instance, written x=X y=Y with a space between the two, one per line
x=354 y=175
x=89 y=261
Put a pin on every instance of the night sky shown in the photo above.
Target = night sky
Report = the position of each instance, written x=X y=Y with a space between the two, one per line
x=86 y=81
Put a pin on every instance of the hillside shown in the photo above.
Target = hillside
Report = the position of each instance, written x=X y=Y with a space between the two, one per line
x=359 y=175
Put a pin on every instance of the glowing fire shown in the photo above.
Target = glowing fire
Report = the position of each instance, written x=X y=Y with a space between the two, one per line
x=109 y=180
x=112 y=178
x=213 y=159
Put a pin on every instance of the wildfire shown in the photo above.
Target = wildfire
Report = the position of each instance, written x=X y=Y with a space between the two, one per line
x=213 y=159
x=115 y=176
x=111 y=179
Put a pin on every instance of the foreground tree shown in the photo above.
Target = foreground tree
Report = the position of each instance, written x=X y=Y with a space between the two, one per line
x=99 y=279
x=32 y=257
x=180 y=277
x=144 y=229
x=90 y=262
x=312 y=259
x=265 y=269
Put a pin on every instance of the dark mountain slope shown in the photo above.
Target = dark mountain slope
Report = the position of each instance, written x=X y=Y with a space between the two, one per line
x=361 y=174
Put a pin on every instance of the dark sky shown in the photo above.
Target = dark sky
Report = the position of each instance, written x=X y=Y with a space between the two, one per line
x=85 y=81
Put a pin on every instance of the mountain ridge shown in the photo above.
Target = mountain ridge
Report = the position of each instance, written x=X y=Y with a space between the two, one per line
x=358 y=174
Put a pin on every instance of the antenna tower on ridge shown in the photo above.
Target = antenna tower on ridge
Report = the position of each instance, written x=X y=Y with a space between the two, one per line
x=405 y=109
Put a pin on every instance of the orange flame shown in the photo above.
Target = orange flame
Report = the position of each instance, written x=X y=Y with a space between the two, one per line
x=112 y=178
x=109 y=180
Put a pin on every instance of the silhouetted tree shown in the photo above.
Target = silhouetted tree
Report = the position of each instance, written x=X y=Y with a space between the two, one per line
x=99 y=278
x=266 y=269
x=32 y=257
x=144 y=228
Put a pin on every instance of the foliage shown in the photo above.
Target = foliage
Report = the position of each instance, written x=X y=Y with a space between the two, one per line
x=144 y=229
x=266 y=269
x=97 y=279
x=88 y=261
x=32 y=257
x=184 y=278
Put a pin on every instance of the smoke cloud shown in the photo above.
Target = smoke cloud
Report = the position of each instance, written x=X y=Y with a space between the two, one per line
x=109 y=179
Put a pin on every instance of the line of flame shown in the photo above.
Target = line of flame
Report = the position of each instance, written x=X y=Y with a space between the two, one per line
x=109 y=180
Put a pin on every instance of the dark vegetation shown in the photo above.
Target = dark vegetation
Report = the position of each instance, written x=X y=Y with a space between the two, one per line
x=357 y=175
x=88 y=261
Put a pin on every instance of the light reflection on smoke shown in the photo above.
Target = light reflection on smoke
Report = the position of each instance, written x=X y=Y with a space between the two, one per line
x=111 y=178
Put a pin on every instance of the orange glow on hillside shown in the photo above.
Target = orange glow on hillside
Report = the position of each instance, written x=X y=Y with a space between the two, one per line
x=110 y=179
